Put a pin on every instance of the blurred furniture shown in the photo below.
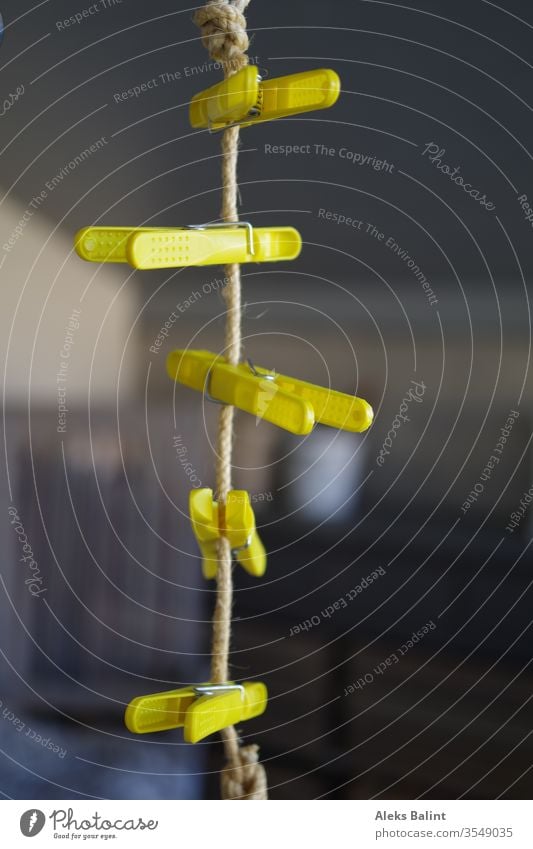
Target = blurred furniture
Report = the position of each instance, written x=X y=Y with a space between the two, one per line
x=123 y=612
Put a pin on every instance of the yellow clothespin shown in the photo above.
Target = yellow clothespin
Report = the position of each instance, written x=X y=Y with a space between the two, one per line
x=235 y=520
x=198 y=244
x=292 y=404
x=199 y=710
x=246 y=99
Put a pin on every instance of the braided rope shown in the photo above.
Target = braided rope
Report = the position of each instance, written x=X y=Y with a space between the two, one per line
x=223 y=31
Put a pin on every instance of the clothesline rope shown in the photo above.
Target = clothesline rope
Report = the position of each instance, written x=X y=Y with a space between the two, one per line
x=223 y=31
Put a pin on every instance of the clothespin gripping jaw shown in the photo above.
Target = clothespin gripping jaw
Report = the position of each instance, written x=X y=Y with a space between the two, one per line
x=235 y=520
x=295 y=405
x=197 y=245
x=257 y=394
x=246 y=99
x=199 y=709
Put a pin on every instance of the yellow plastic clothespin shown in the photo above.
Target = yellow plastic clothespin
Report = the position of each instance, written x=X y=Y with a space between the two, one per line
x=246 y=99
x=198 y=244
x=199 y=710
x=292 y=404
x=235 y=520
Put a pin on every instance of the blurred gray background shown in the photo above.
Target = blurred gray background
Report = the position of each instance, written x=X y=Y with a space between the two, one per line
x=104 y=501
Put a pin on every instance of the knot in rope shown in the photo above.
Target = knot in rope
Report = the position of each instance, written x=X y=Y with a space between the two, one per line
x=224 y=36
x=245 y=779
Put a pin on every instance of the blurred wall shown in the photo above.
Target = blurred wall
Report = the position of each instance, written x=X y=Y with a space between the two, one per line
x=66 y=332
